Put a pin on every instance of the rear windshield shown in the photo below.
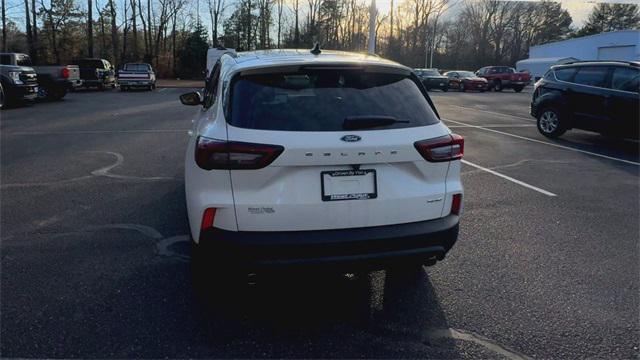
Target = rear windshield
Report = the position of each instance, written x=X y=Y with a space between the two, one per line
x=90 y=64
x=431 y=73
x=321 y=99
x=136 y=67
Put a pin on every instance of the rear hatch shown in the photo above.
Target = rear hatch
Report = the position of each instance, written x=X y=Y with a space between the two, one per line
x=134 y=72
x=348 y=157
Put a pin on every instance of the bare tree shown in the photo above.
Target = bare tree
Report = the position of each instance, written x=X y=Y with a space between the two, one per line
x=216 y=9
x=89 y=28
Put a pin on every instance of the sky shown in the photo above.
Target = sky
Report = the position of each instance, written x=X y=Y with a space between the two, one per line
x=579 y=9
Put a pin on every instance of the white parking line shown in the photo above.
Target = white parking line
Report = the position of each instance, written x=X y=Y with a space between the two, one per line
x=516 y=181
x=546 y=143
x=494 y=113
x=494 y=125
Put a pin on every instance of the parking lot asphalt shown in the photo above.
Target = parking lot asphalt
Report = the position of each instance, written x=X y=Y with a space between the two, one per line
x=95 y=255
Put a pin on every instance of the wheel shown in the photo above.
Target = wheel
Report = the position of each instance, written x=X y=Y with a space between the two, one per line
x=461 y=87
x=1 y=97
x=153 y=86
x=43 y=92
x=100 y=87
x=123 y=88
x=550 y=123
x=58 y=93
x=209 y=273
x=482 y=90
x=445 y=89
x=518 y=88
x=497 y=85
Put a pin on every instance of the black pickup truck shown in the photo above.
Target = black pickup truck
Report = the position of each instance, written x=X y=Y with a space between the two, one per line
x=97 y=73
x=53 y=80
x=17 y=83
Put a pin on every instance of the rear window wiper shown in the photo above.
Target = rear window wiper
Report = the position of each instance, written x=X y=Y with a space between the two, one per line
x=369 y=121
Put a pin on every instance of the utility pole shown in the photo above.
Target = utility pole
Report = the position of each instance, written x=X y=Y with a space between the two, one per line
x=373 y=14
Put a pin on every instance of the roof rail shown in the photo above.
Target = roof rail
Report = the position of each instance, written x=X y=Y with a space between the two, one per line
x=633 y=63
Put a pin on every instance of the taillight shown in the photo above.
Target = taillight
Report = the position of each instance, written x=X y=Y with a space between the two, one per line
x=456 y=204
x=234 y=155
x=445 y=148
x=207 y=218
x=65 y=73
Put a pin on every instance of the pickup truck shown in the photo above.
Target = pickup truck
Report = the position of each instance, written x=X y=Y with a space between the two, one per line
x=136 y=75
x=504 y=77
x=17 y=83
x=53 y=81
x=97 y=73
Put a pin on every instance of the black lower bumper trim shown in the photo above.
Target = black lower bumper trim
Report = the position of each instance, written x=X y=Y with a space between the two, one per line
x=420 y=240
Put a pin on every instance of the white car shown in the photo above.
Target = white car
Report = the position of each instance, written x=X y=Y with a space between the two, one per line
x=307 y=158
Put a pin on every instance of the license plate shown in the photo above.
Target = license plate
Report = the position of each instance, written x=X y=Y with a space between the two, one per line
x=349 y=185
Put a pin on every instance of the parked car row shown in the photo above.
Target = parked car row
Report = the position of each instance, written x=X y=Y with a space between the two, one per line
x=487 y=78
x=21 y=81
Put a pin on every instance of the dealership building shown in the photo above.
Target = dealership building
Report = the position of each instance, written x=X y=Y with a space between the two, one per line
x=615 y=45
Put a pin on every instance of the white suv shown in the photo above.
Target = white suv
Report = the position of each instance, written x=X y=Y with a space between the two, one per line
x=303 y=158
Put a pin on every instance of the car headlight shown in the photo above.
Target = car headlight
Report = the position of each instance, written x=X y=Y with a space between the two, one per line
x=15 y=77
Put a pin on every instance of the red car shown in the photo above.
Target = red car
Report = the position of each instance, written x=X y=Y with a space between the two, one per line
x=504 y=77
x=465 y=80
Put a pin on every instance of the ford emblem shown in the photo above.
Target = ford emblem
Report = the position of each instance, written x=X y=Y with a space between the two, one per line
x=351 y=138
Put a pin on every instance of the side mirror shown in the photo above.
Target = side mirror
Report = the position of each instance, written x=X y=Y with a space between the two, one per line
x=192 y=98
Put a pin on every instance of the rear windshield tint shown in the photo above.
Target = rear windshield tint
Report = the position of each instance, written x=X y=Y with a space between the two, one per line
x=136 y=67
x=321 y=99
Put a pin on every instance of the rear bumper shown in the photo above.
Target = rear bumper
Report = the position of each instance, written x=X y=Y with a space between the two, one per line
x=372 y=247
x=141 y=82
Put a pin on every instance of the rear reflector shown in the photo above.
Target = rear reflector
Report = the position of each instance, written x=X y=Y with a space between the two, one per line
x=456 y=204
x=233 y=155
x=445 y=148
x=207 y=218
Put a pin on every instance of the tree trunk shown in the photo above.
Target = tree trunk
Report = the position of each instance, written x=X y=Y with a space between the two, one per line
x=89 y=28
x=4 y=27
x=297 y=28
x=125 y=31
x=114 y=31
x=34 y=30
x=134 y=29
x=173 y=42
x=28 y=27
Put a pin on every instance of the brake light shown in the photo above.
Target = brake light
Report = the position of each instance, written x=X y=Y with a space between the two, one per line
x=208 y=216
x=65 y=73
x=445 y=148
x=456 y=204
x=234 y=155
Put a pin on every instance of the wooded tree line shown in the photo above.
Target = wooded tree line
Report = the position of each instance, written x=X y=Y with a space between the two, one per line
x=172 y=34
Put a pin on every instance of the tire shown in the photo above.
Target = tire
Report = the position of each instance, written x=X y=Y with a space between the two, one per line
x=461 y=87
x=518 y=88
x=45 y=93
x=58 y=93
x=445 y=89
x=1 y=97
x=153 y=86
x=123 y=88
x=497 y=85
x=551 y=123
x=100 y=87
x=209 y=272
x=482 y=90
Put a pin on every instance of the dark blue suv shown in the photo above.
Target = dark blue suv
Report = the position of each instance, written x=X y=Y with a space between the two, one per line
x=599 y=96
